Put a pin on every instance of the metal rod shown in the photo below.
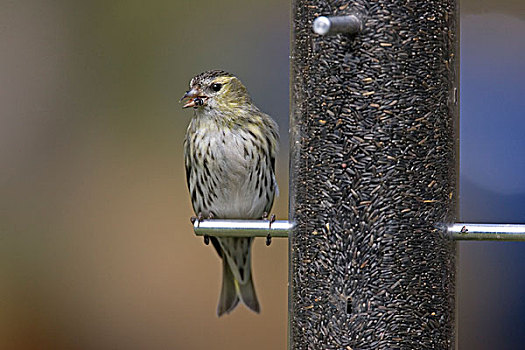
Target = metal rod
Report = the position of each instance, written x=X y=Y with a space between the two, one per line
x=242 y=228
x=486 y=232
x=350 y=24
x=460 y=231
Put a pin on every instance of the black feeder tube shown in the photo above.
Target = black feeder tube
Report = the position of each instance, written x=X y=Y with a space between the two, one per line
x=374 y=131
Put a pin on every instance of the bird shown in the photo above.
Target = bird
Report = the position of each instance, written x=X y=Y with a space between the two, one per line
x=229 y=154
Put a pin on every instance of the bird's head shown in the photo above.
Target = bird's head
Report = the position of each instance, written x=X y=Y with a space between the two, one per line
x=216 y=89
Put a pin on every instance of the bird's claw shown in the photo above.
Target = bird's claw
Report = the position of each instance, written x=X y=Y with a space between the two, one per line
x=200 y=218
x=271 y=221
x=272 y=218
x=268 y=240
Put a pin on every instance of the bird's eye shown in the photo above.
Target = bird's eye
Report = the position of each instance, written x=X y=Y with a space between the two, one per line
x=216 y=86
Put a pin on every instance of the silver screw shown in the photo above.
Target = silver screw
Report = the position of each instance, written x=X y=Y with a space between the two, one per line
x=350 y=24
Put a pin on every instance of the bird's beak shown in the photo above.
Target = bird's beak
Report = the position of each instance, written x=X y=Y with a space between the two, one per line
x=195 y=98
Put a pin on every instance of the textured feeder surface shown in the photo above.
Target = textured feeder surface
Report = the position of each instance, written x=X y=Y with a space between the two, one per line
x=373 y=171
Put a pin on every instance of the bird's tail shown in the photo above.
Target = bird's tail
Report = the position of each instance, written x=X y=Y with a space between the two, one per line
x=232 y=290
x=228 y=299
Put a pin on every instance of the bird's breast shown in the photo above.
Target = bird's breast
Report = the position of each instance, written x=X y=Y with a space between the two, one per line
x=236 y=171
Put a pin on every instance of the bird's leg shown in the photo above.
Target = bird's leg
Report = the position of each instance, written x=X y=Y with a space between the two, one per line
x=206 y=237
x=272 y=220
x=200 y=218
x=269 y=237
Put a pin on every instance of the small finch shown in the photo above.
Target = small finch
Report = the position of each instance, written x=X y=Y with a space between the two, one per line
x=229 y=153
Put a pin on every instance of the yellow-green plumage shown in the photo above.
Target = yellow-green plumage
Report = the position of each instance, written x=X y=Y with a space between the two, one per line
x=230 y=150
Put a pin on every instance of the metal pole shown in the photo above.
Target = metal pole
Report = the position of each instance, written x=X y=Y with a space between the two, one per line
x=242 y=228
x=373 y=171
x=261 y=228
x=487 y=232
x=350 y=24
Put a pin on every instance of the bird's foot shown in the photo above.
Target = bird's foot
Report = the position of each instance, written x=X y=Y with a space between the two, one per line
x=206 y=237
x=199 y=218
x=268 y=240
x=272 y=220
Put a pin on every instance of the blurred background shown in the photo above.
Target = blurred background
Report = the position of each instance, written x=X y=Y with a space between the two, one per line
x=491 y=283
x=96 y=248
